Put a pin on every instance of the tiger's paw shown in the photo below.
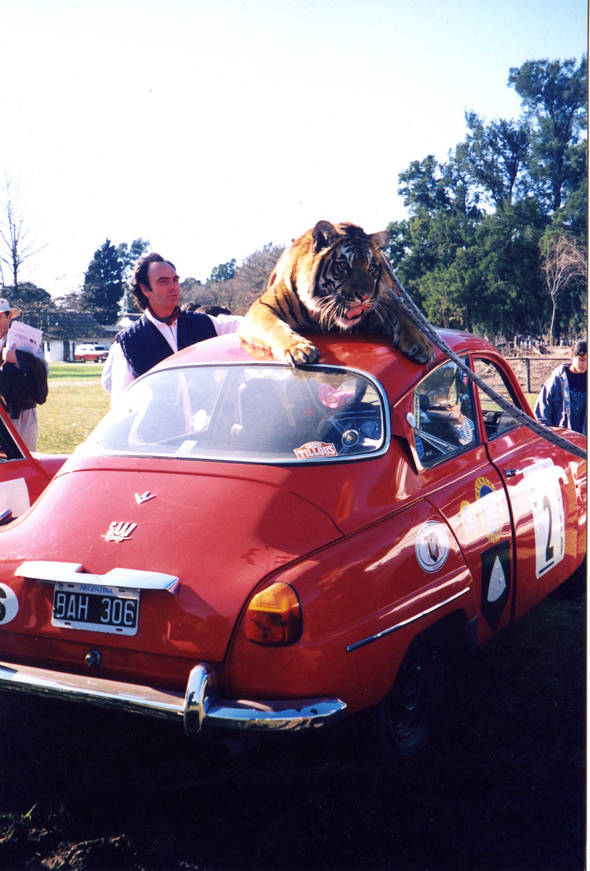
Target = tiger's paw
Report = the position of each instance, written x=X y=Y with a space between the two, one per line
x=297 y=352
x=416 y=348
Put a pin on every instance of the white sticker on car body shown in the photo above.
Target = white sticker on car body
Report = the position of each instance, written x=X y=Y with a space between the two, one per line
x=8 y=604
x=542 y=479
x=432 y=546
x=497 y=581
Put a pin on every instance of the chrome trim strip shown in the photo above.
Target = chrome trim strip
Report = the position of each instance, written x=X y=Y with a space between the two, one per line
x=47 y=572
x=397 y=626
x=198 y=707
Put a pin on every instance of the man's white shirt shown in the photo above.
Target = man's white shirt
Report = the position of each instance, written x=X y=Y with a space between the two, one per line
x=117 y=374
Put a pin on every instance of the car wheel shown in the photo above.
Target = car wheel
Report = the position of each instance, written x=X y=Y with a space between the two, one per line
x=405 y=718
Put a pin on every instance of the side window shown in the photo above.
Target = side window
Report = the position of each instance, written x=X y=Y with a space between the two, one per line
x=8 y=448
x=443 y=414
x=496 y=420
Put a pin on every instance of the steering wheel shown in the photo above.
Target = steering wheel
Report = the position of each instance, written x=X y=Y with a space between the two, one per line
x=352 y=423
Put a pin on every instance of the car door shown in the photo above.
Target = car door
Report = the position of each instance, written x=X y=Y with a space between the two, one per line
x=458 y=479
x=22 y=479
x=540 y=486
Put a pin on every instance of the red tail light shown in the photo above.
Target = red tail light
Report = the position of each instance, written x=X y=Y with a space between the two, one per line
x=274 y=616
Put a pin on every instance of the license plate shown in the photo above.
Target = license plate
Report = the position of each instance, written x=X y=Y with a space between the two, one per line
x=100 y=609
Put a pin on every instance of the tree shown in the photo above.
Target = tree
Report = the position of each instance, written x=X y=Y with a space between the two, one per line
x=35 y=304
x=423 y=186
x=470 y=251
x=223 y=272
x=27 y=294
x=494 y=157
x=554 y=95
x=239 y=292
x=102 y=291
x=71 y=301
x=18 y=240
x=130 y=254
x=565 y=260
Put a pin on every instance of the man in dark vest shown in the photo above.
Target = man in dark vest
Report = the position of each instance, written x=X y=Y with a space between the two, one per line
x=162 y=329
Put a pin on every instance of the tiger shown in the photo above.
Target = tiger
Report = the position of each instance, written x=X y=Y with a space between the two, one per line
x=330 y=278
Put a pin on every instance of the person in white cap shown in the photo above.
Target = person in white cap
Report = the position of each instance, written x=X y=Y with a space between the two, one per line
x=23 y=381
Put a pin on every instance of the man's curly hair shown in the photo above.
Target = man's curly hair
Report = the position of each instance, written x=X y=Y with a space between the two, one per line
x=140 y=276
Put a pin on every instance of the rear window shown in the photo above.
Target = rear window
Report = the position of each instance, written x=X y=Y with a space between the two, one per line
x=263 y=413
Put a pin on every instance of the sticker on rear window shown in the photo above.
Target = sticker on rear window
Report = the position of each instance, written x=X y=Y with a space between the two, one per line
x=315 y=450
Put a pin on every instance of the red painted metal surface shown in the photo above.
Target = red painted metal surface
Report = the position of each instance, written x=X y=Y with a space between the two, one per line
x=352 y=538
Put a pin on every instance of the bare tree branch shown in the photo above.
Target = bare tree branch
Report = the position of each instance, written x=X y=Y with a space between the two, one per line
x=564 y=261
x=18 y=239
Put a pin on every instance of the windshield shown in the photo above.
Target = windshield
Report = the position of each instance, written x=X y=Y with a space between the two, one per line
x=263 y=413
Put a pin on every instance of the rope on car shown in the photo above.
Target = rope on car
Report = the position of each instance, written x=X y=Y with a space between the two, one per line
x=421 y=322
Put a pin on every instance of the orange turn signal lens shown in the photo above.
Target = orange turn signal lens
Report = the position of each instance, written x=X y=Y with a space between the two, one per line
x=274 y=616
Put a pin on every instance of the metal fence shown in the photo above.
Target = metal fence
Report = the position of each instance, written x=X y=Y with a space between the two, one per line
x=532 y=372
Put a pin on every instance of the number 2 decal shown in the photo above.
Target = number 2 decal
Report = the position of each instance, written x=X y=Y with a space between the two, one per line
x=542 y=480
x=548 y=547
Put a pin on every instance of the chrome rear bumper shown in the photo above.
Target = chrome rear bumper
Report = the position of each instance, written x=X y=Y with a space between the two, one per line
x=199 y=708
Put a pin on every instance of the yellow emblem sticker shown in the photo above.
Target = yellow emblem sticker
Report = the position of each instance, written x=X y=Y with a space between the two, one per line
x=468 y=519
x=488 y=502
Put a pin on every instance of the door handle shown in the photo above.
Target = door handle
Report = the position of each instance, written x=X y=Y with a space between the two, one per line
x=511 y=473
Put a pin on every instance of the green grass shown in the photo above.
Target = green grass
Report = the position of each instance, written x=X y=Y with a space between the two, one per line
x=77 y=371
x=76 y=403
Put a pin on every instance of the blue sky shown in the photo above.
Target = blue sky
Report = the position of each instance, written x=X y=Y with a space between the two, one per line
x=212 y=127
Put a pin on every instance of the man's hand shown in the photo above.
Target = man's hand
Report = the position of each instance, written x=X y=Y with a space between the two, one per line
x=9 y=356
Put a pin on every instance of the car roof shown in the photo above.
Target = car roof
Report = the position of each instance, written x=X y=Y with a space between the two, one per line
x=366 y=353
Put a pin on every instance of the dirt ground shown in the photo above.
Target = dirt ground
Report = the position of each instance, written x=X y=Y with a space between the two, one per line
x=502 y=785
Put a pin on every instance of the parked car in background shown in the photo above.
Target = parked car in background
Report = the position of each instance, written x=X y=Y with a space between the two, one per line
x=91 y=353
x=245 y=546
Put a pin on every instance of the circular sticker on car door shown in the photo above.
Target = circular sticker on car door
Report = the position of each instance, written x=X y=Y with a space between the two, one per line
x=432 y=546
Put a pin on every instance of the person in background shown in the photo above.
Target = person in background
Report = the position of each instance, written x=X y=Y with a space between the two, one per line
x=23 y=381
x=563 y=399
x=163 y=327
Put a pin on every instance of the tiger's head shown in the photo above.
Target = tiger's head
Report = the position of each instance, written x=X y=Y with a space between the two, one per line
x=336 y=270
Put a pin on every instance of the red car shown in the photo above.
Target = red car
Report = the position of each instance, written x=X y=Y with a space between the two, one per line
x=23 y=477
x=241 y=545
x=90 y=353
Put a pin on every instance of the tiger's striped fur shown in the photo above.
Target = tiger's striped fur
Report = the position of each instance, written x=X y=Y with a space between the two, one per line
x=331 y=278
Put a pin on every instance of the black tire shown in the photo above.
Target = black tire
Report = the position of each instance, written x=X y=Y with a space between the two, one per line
x=405 y=719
